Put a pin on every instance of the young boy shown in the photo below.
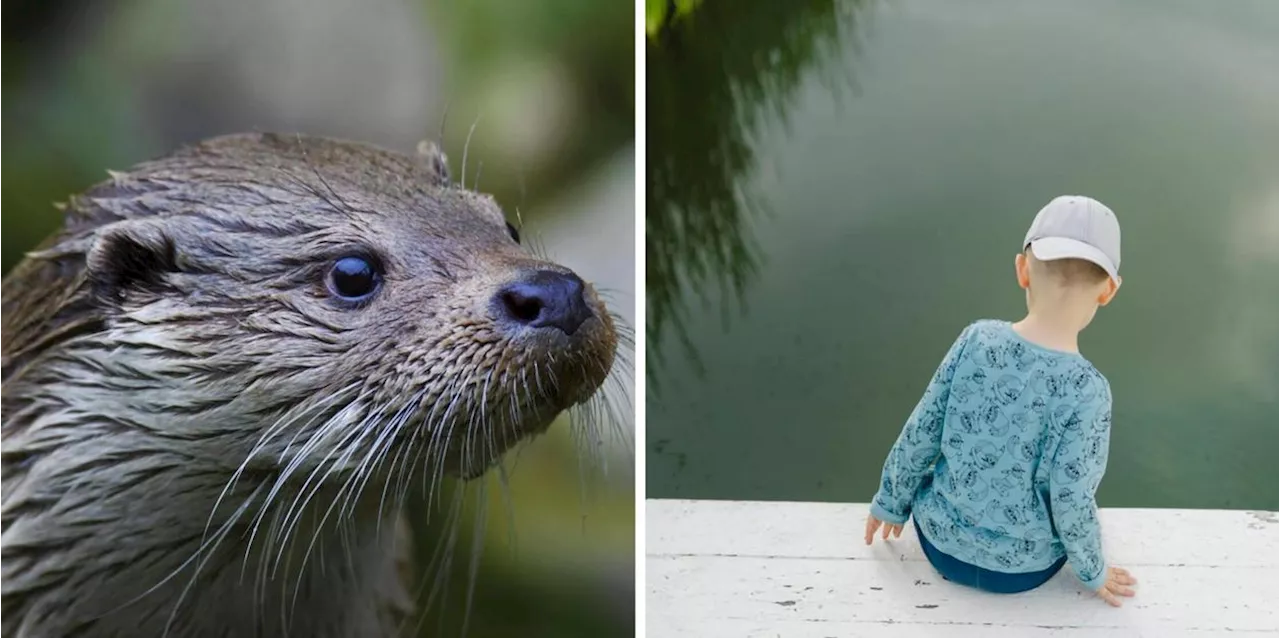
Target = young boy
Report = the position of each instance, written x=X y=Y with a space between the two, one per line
x=999 y=462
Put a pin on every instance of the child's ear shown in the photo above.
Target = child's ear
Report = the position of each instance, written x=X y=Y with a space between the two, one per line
x=1023 y=270
x=1109 y=292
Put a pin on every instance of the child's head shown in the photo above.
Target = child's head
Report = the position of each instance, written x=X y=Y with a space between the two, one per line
x=1070 y=260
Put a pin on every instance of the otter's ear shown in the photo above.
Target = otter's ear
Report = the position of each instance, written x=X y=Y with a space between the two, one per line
x=432 y=157
x=128 y=256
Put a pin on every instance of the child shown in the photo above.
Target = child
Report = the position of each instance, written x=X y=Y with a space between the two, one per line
x=999 y=462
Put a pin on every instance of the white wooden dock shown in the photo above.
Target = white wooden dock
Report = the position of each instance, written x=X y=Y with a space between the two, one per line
x=738 y=569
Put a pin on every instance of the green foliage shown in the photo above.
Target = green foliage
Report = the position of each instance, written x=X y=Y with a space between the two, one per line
x=655 y=15
x=57 y=145
x=709 y=82
x=658 y=13
x=588 y=40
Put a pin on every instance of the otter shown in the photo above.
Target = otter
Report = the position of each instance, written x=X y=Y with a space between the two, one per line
x=221 y=376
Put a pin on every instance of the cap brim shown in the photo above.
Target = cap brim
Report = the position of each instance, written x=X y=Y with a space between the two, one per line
x=1051 y=248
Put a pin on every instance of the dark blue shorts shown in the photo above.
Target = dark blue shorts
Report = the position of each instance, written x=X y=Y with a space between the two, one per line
x=962 y=573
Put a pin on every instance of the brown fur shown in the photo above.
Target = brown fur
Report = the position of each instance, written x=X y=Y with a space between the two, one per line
x=198 y=440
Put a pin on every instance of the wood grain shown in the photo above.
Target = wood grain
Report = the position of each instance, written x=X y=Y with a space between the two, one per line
x=734 y=568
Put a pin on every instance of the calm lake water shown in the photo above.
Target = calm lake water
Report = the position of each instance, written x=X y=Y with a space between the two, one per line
x=837 y=188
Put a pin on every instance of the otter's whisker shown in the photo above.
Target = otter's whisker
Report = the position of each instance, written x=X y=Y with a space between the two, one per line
x=398 y=469
x=392 y=434
x=280 y=535
x=390 y=428
x=204 y=543
x=444 y=118
x=335 y=424
x=596 y=454
x=348 y=448
x=440 y=443
x=488 y=431
x=513 y=402
x=537 y=379
x=417 y=445
x=625 y=332
x=465 y=148
x=465 y=415
x=408 y=466
x=533 y=241
x=479 y=435
x=309 y=189
x=528 y=393
x=477 y=550
x=441 y=437
x=313 y=438
x=441 y=560
x=603 y=409
x=470 y=431
x=582 y=439
x=260 y=580
x=283 y=421
x=504 y=482
x=306 y=159
x=368 y=465
x=551 y=375
x=207 y=552
x=619 y=379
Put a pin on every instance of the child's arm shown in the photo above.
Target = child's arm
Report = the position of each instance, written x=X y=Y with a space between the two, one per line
x=916 y=448
x=1078 y=466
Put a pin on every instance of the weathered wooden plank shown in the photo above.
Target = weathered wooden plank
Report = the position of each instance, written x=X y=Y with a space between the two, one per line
x=726 y=568
x=812 y=530
x=669 y=627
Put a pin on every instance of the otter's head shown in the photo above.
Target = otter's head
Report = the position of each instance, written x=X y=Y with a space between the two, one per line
x=312 y=304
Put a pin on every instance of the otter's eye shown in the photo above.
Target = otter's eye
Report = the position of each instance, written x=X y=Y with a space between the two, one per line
x=354 y=278
x=515 y=234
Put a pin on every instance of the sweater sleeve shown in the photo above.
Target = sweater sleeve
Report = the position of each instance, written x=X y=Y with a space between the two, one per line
x=919 y=444
x=1078 y=466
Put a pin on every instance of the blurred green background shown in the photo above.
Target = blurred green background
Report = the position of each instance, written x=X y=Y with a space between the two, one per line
x=549 y=87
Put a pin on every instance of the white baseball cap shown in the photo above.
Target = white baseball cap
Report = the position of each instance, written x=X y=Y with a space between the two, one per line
x=1072 y=226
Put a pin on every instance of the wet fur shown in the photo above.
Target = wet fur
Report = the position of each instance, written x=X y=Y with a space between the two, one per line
x=199 y=441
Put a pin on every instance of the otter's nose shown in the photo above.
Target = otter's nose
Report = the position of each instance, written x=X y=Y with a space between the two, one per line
x=548 y=298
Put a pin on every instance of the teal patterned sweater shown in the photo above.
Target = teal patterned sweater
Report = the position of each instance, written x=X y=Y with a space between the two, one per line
x=1000 y=459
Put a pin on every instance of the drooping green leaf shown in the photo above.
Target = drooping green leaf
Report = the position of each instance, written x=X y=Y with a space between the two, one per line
x=661 y=13
x=655 y=14
x=685 y=7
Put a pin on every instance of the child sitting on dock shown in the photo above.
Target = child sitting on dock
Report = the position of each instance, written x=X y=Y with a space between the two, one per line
x=999 y=462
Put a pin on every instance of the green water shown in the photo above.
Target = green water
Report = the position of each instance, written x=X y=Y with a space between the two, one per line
x=837 y=188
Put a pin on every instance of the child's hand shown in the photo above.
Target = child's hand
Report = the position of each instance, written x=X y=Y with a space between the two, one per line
x=874 y=523
x=1117 y=584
